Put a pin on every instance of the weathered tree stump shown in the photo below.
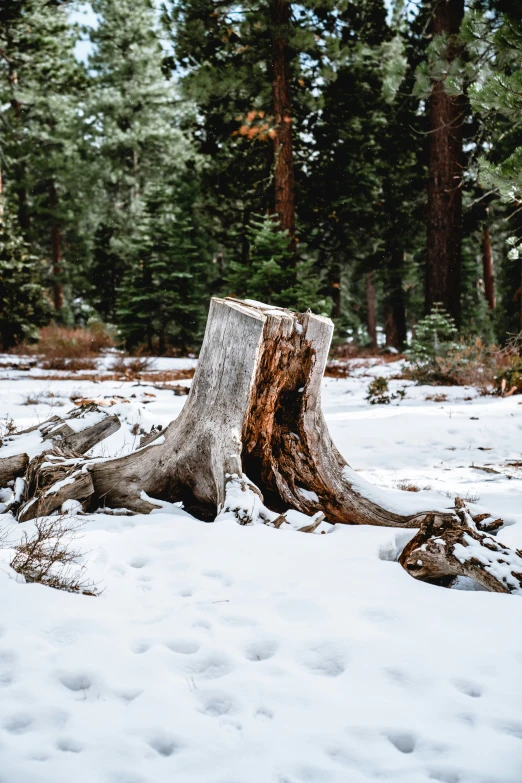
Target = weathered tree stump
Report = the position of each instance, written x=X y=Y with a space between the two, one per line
x=253 y=411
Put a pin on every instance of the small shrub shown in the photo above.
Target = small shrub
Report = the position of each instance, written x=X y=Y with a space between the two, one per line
x=132 y=367
x=378 y=392
x=48 y=556
x=509 y=380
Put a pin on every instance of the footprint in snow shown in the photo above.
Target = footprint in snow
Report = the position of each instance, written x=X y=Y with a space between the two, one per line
x=18 y=724
x=76 y=682
x=225 y=580
x=217 y=703
x=327 y=659
x=404 y=741
x=182 y=646
x=468 y=688
x=138 y=562
x=261 y=649
x=164 y=745
x=69 y=745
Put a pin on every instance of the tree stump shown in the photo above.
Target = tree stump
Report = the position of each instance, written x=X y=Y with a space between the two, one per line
x=253 y=412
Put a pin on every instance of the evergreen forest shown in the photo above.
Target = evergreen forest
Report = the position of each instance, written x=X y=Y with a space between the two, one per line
x=361 y=158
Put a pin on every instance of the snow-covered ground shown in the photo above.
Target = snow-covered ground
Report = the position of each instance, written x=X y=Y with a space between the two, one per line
x=226 y=654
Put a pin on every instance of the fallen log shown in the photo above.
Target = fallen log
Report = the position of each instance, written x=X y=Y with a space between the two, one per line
x=446 y=548
x=56 y=446
x=12 y=467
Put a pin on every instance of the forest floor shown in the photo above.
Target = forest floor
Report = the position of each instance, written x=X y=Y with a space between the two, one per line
x=224 y=654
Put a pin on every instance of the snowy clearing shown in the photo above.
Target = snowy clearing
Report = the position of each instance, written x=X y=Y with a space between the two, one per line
x=225 y=654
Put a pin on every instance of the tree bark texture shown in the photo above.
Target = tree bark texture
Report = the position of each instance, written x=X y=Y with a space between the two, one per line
x=371 y=316
x=444 y=216
x=448 y=547
x=56 y=251
x=487 y=267
x=283 y=155
x=394 y=303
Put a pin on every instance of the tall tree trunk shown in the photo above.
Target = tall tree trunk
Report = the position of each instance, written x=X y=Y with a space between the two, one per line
x=487 y=265
x=283 y=156
x=394 y=304
x=444 y=219
x=56 y=250
x=334 y=280
x=371 y=317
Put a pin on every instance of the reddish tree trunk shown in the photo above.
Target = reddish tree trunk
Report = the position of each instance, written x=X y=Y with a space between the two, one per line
x=56 y=250
x=370 y=309
x=444 y=219
x=487 y=265
x=284 y=162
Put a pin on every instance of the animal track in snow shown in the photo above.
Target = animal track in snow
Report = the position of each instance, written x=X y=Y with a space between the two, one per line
x=164 y=745
x=404 y=741
x=263 y=713
x=468 y=688
x=18 y=724
x=210 y=667
x=140 y=646
x=327 y=659
x=225 y=580
x=138 y=562
x=217 y=703
x=445 y=775
x=182 y=646
x=7 y=658
x=261 y=649
x=76 y=682
x=69 y=745
x=511 y=727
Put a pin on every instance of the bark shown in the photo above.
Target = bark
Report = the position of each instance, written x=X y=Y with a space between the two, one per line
x=283 y=155
x=449 y=547
x=12 y=467
x=65 y=441
x=487 y=265
x=53 y=494
x=56 y=251
x=444 y=217
x=371 y=317
x=334 y=280
x=394 y=303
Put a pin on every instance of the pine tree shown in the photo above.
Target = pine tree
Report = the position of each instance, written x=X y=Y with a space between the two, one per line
x=265 y=276
x=40 y=84
x=136 y=125
x=23 y=304
x=162 y=298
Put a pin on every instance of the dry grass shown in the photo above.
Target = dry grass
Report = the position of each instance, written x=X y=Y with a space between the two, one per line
x=408 y=486
x=68 y=365
x=43 y=398
x=61 y=342
x=131 y=367
x=438 y=397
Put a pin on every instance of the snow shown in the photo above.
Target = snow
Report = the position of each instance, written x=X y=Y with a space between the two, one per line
x=219 y=653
